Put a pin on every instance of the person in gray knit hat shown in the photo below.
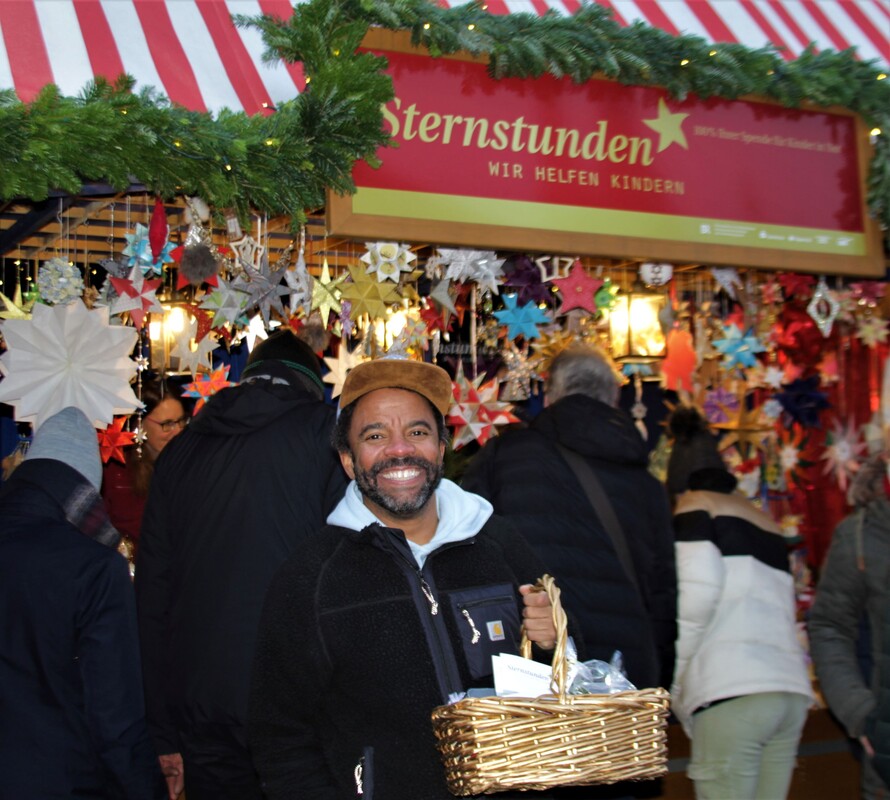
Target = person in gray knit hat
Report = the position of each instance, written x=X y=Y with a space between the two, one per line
x=252 y=476
x=741 y=689
x=73 y=720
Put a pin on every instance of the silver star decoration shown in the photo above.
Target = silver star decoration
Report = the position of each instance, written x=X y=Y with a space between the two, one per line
x=519 y=375
x=729 y=280
x=299 y=282
x=264 y=287
x=227 y=303
x=476 y=265
x=192 y=360
x=442 y=296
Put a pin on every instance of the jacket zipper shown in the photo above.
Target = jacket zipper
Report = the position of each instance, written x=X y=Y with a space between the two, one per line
x=465 y=613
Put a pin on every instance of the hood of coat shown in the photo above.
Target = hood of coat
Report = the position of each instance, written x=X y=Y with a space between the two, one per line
x=249 y=407
x=593 y=429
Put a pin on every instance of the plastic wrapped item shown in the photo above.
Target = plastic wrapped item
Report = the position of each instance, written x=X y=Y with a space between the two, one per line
x=599 y=677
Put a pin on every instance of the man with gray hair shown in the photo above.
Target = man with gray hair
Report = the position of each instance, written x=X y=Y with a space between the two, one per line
x=576 y=484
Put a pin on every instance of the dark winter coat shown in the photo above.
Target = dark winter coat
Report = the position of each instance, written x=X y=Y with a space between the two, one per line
x=352 y=658
x=527 y=480
x=252 y=477
x=72 y=720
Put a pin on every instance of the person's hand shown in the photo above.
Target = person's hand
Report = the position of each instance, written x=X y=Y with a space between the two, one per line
x=866 y=745
x=174 y=773
x=538 y=617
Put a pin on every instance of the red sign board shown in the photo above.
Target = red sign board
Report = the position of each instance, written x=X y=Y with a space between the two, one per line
x=605 y=169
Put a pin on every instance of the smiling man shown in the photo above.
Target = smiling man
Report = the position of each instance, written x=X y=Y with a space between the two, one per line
x=400 y=603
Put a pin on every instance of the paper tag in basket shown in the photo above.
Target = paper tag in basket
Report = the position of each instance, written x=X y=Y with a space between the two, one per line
x=519 y=677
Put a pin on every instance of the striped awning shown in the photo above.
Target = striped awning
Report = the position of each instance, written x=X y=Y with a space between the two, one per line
x=191 y=51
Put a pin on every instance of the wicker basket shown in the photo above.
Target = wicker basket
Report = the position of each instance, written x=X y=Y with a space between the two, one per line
x=495 y=744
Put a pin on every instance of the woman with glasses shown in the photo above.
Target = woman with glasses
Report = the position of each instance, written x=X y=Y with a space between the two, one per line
x=125 y=487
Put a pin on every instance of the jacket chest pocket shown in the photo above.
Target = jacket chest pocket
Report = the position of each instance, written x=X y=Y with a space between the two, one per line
x=487 y=619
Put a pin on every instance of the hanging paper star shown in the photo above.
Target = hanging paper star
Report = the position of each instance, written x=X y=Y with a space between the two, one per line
x=476 y=411
x=388 y=260
x=719 y=404
x=299 y=281
x=13 y=308
x=326 y=293
x=524 y=278
x=578 y=290
x=771 y=293
x=139 y=251
x=113 y=440
x=204 y=319
x=441 y=295
x=68 y=356
x=842 y=453
x=793 y=443
x=206 y=386
x=368 y=296
x=728 y=279
x=248 y=251
x=773 y=377
x=434 y=318
x=548 y=347
x=872 y=331
x=263 y=287
x=868 y=293
x=467 y=265
x=772 y=408
x=347 y=326
x=795 y=285
x=227 y=303
x=339 y=367
x=829 y=370
x=136 y=295
x=192 y=360
x=553 y=267
x=521 y=320
x=803 y=401
x=679 y=364
x=413 y=336
x=255 y=330
x=520 y=374
x=605 y=296
x=744 y=430
x=118 y=267
x=738 y=350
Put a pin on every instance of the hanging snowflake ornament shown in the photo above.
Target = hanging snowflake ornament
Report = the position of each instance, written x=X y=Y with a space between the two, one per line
x=206 y=386
x=476 y=411
x=842 y=453
x=738 y=350
x=113 y=440
x=59 y=282
x=578 y=290
x=68 y=356
x=871 y=331
x=136 y=295
x=521 y=320
x=263 y=286
x=388 y=260
x=339 y=367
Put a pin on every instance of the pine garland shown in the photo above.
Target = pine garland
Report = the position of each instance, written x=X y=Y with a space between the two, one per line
x=283 y=163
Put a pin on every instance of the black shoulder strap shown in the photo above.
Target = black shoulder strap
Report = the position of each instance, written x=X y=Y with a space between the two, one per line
x=603 y=508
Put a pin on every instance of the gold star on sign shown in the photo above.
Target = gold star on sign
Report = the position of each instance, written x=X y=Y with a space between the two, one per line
x=668 y=126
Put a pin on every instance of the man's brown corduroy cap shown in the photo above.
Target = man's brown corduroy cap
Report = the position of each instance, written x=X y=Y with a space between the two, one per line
x=428 y=380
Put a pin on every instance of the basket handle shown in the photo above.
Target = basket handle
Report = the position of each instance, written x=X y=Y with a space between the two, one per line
x=560 y=668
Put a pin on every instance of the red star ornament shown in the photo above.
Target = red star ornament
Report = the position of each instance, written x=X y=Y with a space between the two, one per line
x=204 y=318
x=139 y=293
x=680 y=362
x=113 y=440
x=578 y=290
x=206 y=386
x=434 y=319
x=476 y=411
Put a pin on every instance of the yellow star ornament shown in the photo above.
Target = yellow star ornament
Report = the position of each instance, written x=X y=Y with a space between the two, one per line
x=368 y=295
x=326 y=293
x=668 y=126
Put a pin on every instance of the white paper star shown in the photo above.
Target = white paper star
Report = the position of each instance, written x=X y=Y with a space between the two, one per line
x=339 y=367
x=66 y=356
x=299 y=281
x=388 y=259
x=192 y=360
x=255 y=330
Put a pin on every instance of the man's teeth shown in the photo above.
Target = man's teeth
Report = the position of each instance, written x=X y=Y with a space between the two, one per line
x=401 y=474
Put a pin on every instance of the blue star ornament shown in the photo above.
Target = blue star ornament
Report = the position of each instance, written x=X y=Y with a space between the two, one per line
x=738 y=350
x=521 y=320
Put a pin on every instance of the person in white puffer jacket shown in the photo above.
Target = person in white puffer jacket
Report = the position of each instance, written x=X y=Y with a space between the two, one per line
x=741 y=688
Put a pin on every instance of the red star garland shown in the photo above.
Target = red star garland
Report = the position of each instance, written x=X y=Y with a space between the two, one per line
x=476 y=411
x=114 y=439
x=206 y=386
x=578 y=290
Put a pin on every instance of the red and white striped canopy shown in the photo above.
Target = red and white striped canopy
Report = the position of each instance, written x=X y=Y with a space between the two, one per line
x=191 y=51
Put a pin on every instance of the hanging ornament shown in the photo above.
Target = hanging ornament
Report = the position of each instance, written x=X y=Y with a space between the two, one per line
x=139 y=252
x=13 y=308
x=59 y=282
x=802 y=401
x=553 y=267
x=578 y=290
x=340 y=366
x=367 y=295
x=656 y=274
x=796 y=286
x=206 y=386
x=524 y=279
x=638 y=410
x=679 y=364
x=720 y=405
x=842 y=453
x=823 y=307
x=193 y=360
x=521 y=320
x=326 y=294
x=113 y=440
x=871 y=331
x=519 y=376
x=476 y=412
x=158 y=229
x=227 y=303
x=738 y=350
x=263 y=287
x=547 y=347
x=481 y=266
x=606 y=295
x=727 y=279
x=299 y=281
x=388 y=260
x=136 y=295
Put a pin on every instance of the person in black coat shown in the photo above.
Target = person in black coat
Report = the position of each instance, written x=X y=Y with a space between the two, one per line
x=251 y=477
x=525 y=475
x=72 y=717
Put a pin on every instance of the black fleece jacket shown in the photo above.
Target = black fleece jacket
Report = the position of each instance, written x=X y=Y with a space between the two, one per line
x=352 y=658
x=527 y=481
x=231 y=497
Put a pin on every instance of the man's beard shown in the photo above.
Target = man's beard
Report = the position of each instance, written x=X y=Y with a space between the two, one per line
x=407 y=507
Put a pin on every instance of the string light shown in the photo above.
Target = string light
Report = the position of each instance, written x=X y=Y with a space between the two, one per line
x=684 y=62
